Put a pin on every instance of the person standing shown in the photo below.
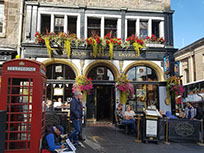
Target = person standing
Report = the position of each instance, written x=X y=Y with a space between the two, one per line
x=199 y=112
x=190 y=111
x=76 y=116
x=80 y=136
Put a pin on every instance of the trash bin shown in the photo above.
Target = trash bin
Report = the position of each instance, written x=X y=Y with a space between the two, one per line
x=2 y=130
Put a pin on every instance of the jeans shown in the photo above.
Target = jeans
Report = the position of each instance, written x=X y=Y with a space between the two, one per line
x=130 y=123
x=74 y=134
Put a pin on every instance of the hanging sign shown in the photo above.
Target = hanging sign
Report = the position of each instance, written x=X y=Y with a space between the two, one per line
x=167 y=64
x=176 y=68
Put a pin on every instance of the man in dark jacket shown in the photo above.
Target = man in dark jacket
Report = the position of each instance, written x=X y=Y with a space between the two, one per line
x=75 y=115
x=52 y=140
x=199 y=112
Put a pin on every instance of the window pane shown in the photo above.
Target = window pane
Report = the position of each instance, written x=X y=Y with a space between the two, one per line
x=111 y=25
x=49 y=71
x=141 y=73
x=141 y=93
x=101 y=73
x=19 y=108
x=17 y=145
x=19 y=127
x=94 y=27
x=59 y=24
x=20 y=81
x=155 y=28
x=131 y=28
x=1 y=16
x=152 y=95
x=143 y=29
x=20 y=90
x=202 y=87
x=131 y=74
x=45 y=23
x=19 y=99
x=18 y=117
x=151 y=75
x=72 y=24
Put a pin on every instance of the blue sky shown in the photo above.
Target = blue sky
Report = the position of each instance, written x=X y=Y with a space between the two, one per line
x=188 y=21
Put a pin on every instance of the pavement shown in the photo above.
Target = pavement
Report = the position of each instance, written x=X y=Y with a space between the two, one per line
x=107 y=139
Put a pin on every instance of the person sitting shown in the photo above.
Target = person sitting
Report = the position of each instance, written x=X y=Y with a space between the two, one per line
x=162 y=113
x=190 y=111
x=170 y=116
x=51 y=140
x=49 y=106
x=129 y=114
x=123 y=120
x=58 y=103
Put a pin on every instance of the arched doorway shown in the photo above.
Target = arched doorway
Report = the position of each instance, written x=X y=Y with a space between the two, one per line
x=101 y=101
x=145 y=80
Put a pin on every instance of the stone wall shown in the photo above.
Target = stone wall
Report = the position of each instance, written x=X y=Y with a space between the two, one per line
x=199 y=63
x=9 y=37
x=130 y=4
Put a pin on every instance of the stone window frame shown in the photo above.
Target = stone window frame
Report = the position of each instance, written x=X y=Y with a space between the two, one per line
x=3 y=33
x=103 y=17
x=66 y=15
x=149 y=19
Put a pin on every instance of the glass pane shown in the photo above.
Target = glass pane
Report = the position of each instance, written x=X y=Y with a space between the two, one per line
x=155 y=28
x=101 y=73
x=9 y=90
x=19 y=99
x=151 y=75
x=20 y=81
x=9 y=81
x=94 y=27
x=18 y=117
x=19 y=127
x=152 y=95
x=72 y=24
x=132 y=74
x=111 y=26
x=45 y=23
x=49 y=71
x=19 y=108
x=31 y=82
x=20 y=90
x=17 y=145
x=143 y=29
x=5 y=145
x=59 y=24
x=131 y=28
x=141 y=73
x=8 y=99
x=141 y=93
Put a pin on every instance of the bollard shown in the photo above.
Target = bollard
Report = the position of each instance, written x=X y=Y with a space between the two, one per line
x=138 y=129
x=167 y=130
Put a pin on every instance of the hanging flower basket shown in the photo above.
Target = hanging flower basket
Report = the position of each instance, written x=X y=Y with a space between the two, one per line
x=173 y=87
x=125 y=88
x=83 y=84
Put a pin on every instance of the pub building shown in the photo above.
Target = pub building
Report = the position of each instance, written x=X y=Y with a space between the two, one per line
x=146 y=71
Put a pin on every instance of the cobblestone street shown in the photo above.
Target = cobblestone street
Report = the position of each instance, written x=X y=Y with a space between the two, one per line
x=108 y=140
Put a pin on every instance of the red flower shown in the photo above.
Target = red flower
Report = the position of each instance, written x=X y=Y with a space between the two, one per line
x=147 y=37
x=75 y=37
x=119 y=43
x=119 y=38
x=107 y=42
x=37 y=33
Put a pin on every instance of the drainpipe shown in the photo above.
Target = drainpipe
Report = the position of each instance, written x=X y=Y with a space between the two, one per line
x=20 y=28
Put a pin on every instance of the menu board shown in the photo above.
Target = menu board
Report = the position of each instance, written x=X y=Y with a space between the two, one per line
x=151 y=128
x=152 y=112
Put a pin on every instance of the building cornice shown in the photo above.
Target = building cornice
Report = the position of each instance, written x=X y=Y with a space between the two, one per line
x=190 y=48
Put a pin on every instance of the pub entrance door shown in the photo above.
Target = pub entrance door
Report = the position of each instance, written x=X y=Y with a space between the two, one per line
x=101 y=103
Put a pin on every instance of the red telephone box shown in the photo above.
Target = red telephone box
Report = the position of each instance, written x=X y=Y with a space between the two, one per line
x=23 y=96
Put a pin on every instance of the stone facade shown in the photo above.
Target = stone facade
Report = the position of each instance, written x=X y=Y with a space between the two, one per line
x=9 y=37
x=191 y=61
x=130 y=4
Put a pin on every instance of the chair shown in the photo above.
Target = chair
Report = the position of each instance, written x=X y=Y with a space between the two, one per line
x=120 y=126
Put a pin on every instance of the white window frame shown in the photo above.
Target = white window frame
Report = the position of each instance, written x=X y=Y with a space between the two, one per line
x=149 y=19
x=2 y=34
x=66 y=15
x=103 y=17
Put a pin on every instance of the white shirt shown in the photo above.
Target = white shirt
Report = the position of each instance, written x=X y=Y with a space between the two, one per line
x=57 y=104
x=130 y=114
